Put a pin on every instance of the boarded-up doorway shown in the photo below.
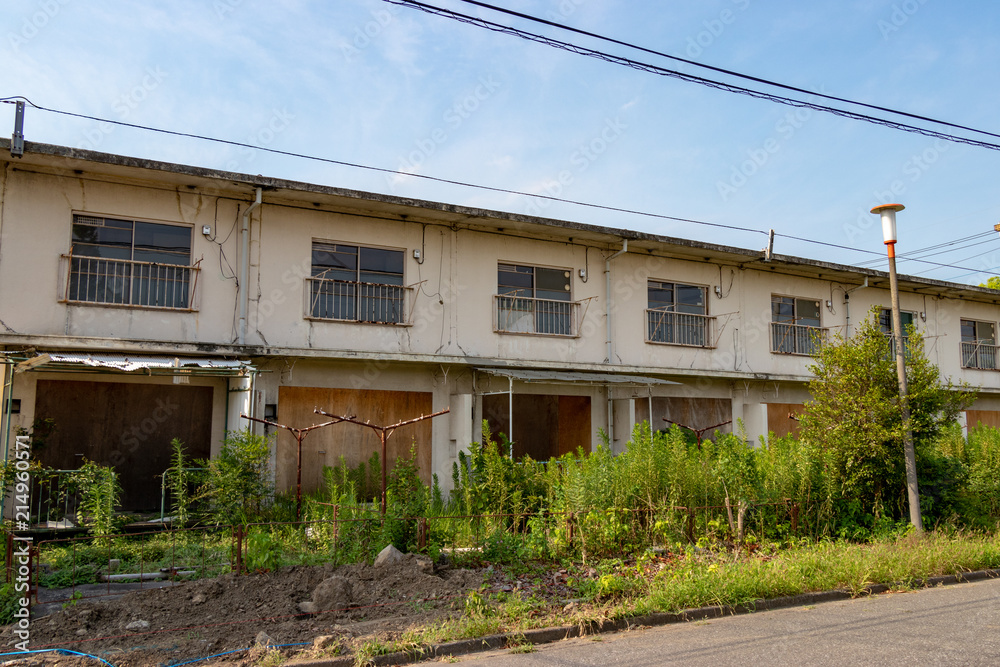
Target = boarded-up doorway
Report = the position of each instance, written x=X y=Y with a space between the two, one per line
x=783 y=418
x=128 y=426
x=325 y=447
x=545 y=427
x=696 y=413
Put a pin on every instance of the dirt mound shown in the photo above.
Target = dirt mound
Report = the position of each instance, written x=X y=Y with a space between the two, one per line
x=211 y=616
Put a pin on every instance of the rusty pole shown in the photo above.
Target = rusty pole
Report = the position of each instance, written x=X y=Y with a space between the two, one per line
x=383 y=432
x=299 y=434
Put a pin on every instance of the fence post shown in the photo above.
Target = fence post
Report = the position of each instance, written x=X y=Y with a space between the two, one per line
x=690 y=526
x=336 y=525
x=569 y=528
x=9 y=558
x=238 y=536
x=422 y=533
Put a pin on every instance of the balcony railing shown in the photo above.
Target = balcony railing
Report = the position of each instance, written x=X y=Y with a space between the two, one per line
x=979 y=354
x=123 y=282
x=796 y=338
x=674 y=328
x=549 y=317
x=348 y=301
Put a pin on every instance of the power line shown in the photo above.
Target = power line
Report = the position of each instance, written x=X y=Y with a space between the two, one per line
x=8 y=100
x=868 y=252
x=239 y=144
x=712 y=68
x=711 y=83
x=936 y=249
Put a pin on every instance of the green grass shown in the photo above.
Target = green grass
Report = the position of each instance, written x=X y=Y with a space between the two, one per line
x=701 y=578
x=75 y=562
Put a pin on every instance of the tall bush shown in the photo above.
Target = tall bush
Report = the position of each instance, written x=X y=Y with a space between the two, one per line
x=238 y=483
x=855 y=414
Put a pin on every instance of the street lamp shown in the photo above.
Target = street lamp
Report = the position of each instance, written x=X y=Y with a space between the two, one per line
x=888 y=213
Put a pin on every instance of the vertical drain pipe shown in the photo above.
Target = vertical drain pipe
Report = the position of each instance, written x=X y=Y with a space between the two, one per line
x=245 y=269
x=608 y=342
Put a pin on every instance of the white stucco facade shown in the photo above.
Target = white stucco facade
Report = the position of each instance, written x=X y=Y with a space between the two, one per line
x=437 y=355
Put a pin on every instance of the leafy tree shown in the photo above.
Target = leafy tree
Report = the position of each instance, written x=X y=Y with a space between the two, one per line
x=855 y=413
x=993 y=283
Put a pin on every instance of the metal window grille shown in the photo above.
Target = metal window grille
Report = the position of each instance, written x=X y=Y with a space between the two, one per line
x=979 y=354
x=519 y=314
x=674 y=328
x=352 y=301
x=796 y=338
x=130 y=283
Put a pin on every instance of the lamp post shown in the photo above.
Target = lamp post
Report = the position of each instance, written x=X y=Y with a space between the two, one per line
x=888 y=213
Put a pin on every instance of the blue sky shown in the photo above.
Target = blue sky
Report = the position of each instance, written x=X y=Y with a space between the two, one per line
x=367 y=82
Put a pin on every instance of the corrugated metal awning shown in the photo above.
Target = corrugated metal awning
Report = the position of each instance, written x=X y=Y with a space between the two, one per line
x=128 y=363
x=576 y=377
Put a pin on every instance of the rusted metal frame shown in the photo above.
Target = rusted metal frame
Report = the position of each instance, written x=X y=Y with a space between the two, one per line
x=299 y=434
x=698 y=432
x=383 y=432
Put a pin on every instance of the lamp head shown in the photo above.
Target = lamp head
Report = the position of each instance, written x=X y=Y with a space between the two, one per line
x=888 y=213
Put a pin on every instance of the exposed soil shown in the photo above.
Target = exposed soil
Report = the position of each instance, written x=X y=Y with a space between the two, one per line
x=210 y=616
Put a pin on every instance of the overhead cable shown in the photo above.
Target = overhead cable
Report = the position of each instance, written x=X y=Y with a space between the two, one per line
x=711 y=83
x=720 y=70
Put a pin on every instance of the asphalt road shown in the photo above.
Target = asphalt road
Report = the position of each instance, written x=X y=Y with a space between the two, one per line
x=948 y=625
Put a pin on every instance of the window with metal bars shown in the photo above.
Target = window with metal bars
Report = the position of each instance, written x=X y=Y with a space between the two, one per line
x=979 y=348
x=130 y=263
x=357 y=283
x=677 y=314
x=534 y=299
x=795 y=325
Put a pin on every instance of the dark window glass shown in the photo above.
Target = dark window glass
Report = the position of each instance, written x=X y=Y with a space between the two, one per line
x=807 y=312
x=661 y=295
x=162 y=244
x=885 y=320
x=383 y=267
x=517 y=280
x=691 y=299
x=783 y=309
x=552 y=284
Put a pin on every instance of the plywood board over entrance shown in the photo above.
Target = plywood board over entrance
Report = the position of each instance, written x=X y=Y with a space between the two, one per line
x=782 y=418
x=977 y=418
x=325 y=447
x=128 y=426
x=696 y=413
x=544 y=426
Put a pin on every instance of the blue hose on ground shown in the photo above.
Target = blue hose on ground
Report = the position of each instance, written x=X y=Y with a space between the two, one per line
x=61 y=651
x=219 y=655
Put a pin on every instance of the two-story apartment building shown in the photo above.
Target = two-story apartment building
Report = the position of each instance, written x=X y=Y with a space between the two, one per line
x=142 y=301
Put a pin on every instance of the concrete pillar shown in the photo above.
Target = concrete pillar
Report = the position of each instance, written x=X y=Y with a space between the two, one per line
x=624 y=414
x=963 y=421
x=477 y=420
x=238 y=402
x=755 y=421
x=460 y=434
x=738 y=418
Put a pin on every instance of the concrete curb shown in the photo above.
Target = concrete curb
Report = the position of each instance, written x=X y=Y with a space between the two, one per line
x=549 y=635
